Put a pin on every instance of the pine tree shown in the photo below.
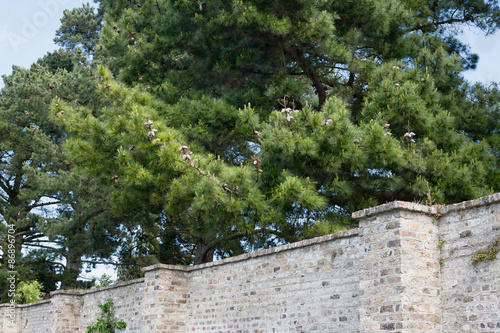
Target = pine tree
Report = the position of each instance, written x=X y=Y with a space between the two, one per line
x=79 y=29
x=296 y=112
x=184 y=198
x=255 y=52
x=234 y=125
x=39 y=186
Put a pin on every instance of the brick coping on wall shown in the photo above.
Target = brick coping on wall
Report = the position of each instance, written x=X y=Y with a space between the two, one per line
x=261 y=253
x=437 y=210
x=6 y=305
x=77 y=292
x=95 y=290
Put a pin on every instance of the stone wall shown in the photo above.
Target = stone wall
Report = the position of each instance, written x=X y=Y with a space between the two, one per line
x=9 y=319
x=311 y=286
x=73 y=311
x=127 y=297
x=471 y=294
x=400 y=270
x=36 y=317
x=407 y=268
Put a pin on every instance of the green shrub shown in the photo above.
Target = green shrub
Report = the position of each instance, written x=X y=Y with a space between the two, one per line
x=107 y=323
x=28 y=292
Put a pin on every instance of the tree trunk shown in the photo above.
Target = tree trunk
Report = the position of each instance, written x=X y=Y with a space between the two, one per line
x=309 y=71
x=72 y=269
x=204 y=253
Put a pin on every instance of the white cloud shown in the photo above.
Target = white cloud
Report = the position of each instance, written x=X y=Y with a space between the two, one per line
x=4 y=33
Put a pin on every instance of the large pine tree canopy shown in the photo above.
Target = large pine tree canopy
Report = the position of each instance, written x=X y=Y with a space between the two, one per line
x=183 y=131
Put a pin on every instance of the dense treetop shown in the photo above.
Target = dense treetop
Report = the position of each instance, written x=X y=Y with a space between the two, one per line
x=197 y=129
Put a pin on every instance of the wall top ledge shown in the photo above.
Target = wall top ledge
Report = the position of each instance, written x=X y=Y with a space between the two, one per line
x=430 y=210
x=43 y=301
x=483 y=201
x=94 y=290
x=395 y=205
x=261 y=253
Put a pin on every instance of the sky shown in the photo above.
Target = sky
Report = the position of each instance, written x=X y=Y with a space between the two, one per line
x=27 y=30
x=488 y=49
x=28 y=27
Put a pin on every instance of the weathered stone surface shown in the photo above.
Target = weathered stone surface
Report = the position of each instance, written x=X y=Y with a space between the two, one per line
x=407 y=268
x=470 y=294
x=9 y=318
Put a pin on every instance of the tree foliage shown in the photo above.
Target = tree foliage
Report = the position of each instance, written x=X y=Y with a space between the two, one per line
x=189 y=191
x=79 y=29
x=54 y=208
x=28 y=292
x=197 y=129
x=363 y=101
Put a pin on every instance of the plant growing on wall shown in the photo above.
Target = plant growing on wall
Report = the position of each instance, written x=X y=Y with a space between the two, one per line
x=107 y=323
x=488 y=254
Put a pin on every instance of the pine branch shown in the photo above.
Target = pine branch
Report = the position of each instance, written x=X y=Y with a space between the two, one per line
x=158 y=6
x=44 y=204
x=434 y=5
x=189 y=233
x=17 y=184
x=34 y=236
x=45 y=241
x=216 y=242
x=103 y=263
x=27 y=232
x=3 y=186
x=54 y=263
x=4 y=198
x=41 y=246
x=425 y=27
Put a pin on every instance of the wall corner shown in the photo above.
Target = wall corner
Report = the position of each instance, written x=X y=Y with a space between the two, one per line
x=65 y=311
x=165 y=300
x=399 y=269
